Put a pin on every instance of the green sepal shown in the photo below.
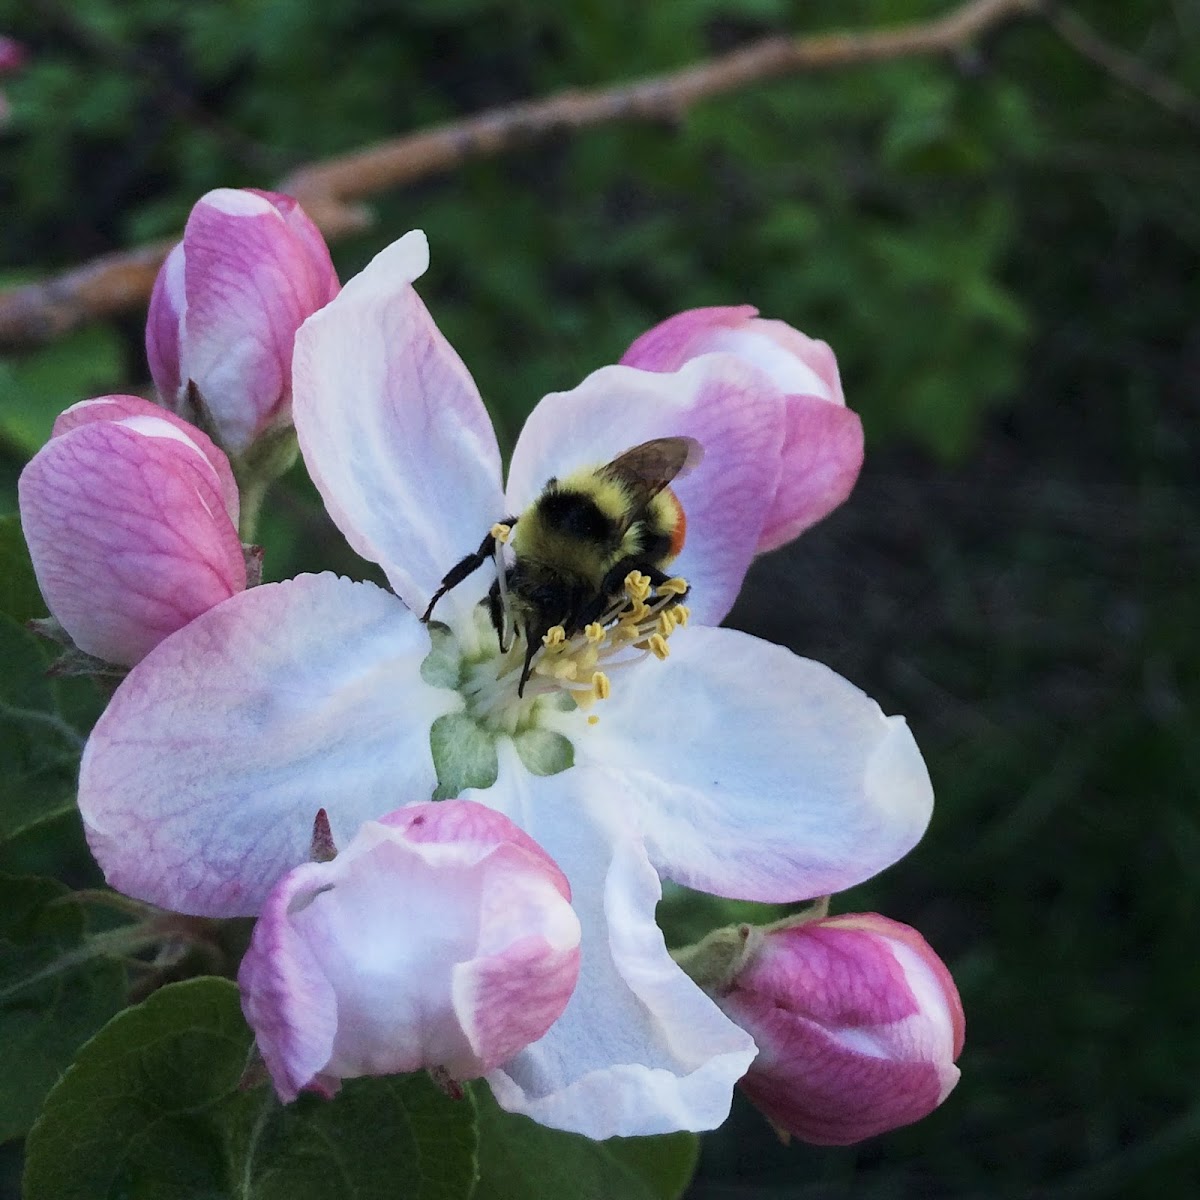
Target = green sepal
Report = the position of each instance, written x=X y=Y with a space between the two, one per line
x=464 y=755
x=543 y=751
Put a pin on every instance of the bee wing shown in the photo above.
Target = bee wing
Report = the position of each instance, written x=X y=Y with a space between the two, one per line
x=648 y=468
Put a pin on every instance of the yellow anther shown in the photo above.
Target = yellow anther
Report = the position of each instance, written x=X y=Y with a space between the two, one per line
x=637 y=586
x=593 y=719
x=666 y=622
x=594 y=632
x=682 y=614
x=672 y=587
x=657 y=645
x=554 y=636
x=501 y=532
x=600 y=686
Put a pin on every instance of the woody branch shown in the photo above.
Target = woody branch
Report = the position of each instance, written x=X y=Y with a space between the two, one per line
x=330 y=190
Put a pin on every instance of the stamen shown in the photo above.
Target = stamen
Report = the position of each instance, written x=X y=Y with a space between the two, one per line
x=501 y=532
x=555 y=636
x=637 y=585
x=593 y=719
x=658 y=646
x=601 y=686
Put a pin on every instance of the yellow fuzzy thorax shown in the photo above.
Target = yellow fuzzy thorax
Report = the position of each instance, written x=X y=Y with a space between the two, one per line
x=535 y=541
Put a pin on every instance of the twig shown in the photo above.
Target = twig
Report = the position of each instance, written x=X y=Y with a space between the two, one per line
x=1124 y=67
x=40 y=312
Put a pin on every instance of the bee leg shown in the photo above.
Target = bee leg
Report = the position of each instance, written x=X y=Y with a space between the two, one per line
x=498 y=612
x=466 y=566
x=532 y=646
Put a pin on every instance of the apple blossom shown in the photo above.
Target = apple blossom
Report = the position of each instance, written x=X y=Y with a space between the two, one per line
x=225 y=309
x=858 y=1025
x=442 y=936
x=722 y=762
x=131 y=518
x=823 y=440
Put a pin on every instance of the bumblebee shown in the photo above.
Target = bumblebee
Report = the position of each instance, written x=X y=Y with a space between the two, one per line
x=574 y=546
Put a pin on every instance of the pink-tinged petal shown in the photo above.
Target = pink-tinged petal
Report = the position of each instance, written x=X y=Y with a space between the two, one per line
x=249 y=283
x=467 y=824
x=823 y=445
x=305 y=231
x=120 y=408
x=796 y=363
x=200 y=782
x=393 y=431
x=128 y=534
x=164 y=328
x=901 y=935
x=640 y=1049
x=402 y=929
x=858 y=1023
x=286 y=997
x=721 y=402
x=758 y=774
x=822 y=456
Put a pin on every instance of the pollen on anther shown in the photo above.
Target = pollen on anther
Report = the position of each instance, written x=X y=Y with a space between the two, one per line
x=658 y=645
x=594 y=632
x=673 y=587
x=501 y=532
x=637 y=586
x=554 y=636
x=601 y=686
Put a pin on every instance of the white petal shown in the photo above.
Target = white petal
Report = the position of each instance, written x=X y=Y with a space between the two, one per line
x=200 y=782
x=393 y=430
x=758 y=774
x=640 y=1049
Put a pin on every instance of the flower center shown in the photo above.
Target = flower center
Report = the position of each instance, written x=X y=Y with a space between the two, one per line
x=572 y=672
x=568 y=673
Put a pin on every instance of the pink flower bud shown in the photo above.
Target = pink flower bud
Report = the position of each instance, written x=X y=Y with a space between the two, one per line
x=441 y=937
x=131 y=518
x=226 y=306
x=858 y=1025
x=13 y=55
x=822 y=442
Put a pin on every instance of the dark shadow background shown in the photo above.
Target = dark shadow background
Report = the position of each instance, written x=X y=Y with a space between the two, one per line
x=1004 y=250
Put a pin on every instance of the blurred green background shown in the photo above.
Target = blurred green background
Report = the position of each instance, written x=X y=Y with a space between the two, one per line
x=1004 y=251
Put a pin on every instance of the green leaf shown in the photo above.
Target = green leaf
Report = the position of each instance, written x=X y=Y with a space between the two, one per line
x=39 y=748
x=44 y=1017
x=152 y=1108
x=386 y=1138
x=19 y=595
x=522 y=1160
x=38 y=386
